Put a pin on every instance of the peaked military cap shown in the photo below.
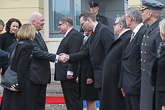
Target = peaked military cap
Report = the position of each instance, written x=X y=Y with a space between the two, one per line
x=93 y=3
x=152 y=4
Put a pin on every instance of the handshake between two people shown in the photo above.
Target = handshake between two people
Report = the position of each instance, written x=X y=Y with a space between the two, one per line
x=63 y=57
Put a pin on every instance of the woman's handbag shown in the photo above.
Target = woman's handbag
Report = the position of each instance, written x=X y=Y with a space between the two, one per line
x=10 y=76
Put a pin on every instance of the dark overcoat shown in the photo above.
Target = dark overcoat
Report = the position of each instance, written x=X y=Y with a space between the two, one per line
x=87 y=91
x=111 y=95
x=99 y=44
x=157 y=80
x=21 y=65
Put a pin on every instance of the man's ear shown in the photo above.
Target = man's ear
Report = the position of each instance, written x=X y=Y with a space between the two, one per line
x=89 y=20
x=33 y=22
x=67 y=24
x=98 y=8
x=131 y=18
x=149 y=14
x=121 y=27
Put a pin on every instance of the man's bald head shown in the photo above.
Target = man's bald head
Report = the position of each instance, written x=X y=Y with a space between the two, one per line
x=37 y=19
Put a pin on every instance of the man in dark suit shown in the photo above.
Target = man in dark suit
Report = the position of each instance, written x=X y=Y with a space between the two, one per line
x=99 y=44
x=71 y=43
x=40 y=74
x=152 y=10
x=131 y=59
x=111 y=95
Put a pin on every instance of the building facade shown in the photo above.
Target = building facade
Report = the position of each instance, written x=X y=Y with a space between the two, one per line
x=54 y=9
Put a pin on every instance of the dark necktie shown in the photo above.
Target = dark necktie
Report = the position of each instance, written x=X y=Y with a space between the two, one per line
x=40 y=36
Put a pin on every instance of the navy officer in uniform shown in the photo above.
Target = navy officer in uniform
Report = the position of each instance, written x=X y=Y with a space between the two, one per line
x=94 y=8
x=151 y=13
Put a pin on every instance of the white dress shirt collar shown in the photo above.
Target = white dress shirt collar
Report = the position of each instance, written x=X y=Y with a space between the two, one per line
x=67 y=32
x=137 y=28
x=95 y=27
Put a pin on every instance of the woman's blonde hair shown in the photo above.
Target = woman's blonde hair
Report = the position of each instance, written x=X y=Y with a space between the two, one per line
x=26 y=32
x=162 y=27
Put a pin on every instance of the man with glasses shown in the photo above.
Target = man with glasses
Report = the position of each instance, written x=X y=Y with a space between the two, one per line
x=98 y=48
x=151 y=12
x=111 y=96
x=71 y=43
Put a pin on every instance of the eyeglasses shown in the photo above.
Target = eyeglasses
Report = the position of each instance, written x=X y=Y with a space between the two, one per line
x=61 y=24
x=115 y=24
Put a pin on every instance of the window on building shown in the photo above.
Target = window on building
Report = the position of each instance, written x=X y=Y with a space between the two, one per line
x=60 y=8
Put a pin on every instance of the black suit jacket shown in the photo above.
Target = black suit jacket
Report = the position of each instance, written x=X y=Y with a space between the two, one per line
x=99 y=44
x=111 y=96
x=131 y=64
x=71 y=43
x=40 y=66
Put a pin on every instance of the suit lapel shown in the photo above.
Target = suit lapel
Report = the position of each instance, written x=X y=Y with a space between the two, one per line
x=94 y=38
x=64 y=39
x=132 y=43
x=128 y=49
x=42 y=45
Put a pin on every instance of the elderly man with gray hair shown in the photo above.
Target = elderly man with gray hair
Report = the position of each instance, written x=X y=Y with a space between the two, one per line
x=111 y=96
x=131 y=60
x=40 y=74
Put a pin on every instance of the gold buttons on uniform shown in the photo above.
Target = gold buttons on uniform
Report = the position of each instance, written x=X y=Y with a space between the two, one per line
x=145 y=44
x=141 y=51
x=141 y=60
x=142 y=43
x=145 y=52
x=144 y=36
x=144 y=61
x=147 y=37
x=144 y=70
x=141 y=68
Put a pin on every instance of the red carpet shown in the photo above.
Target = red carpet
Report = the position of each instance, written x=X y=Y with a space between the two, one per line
x=51 y=100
